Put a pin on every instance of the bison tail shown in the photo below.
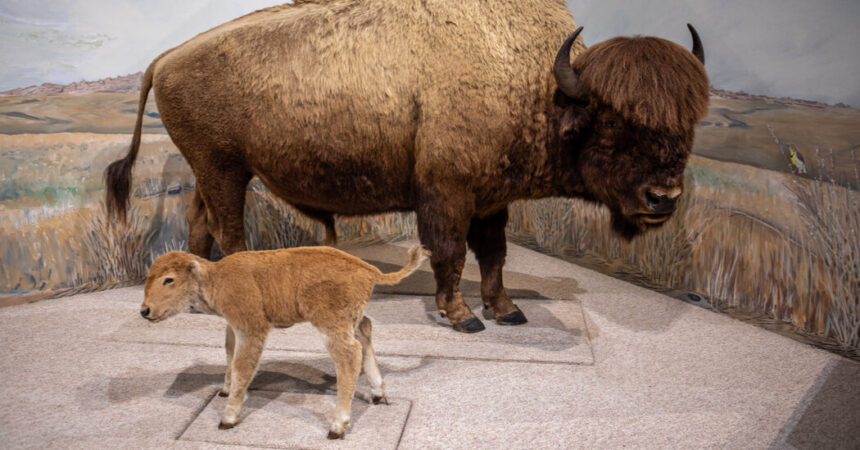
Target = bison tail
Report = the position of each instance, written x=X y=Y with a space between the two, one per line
x=416 y=257
x=118 y=173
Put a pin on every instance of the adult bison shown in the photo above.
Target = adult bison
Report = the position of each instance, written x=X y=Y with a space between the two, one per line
x=449 y=109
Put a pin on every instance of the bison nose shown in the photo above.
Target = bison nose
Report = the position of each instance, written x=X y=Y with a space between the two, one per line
x=661 y=202
x=144 y=312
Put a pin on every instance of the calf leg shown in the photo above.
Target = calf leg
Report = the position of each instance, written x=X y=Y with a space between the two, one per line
x=368 y=359
x=487 y=239
x=229 y=345
x=442 y=230
x=345 y=350
x=199 y=240
x=248 y=348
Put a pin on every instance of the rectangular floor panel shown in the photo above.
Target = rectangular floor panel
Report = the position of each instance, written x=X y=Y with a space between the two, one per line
x=300 y=420
x=407 y=326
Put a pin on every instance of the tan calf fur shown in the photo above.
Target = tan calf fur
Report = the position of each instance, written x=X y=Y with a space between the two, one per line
x=256 y=291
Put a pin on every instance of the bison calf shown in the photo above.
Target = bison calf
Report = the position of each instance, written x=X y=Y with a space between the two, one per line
x=255 y=291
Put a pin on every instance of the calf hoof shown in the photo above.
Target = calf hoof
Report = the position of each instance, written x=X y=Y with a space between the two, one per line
x=472 y=325
x=333 y=435
x=512 y=318
x=225 y=426
x=223 y=394
x=377 y=399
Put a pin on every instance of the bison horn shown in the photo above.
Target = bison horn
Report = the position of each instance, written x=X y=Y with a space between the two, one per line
x=566 y=78
x=697 y=44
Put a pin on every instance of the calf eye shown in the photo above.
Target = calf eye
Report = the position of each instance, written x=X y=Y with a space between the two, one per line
x=609 y=124
x=167 y=281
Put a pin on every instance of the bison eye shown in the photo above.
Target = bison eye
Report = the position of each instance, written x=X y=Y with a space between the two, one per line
x=609 y=124
x=167 y=281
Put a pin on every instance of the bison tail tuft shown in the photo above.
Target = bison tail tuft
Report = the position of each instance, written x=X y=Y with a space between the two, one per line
x=118 y=183
x=118 y=173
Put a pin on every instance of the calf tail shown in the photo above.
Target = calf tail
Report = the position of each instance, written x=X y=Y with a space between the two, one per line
x=118 y=173
x=416 y=257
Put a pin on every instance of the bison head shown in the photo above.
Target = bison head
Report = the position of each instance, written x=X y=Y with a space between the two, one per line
x=628 y=108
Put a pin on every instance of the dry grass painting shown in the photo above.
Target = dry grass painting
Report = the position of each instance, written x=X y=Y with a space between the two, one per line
x=757 y=235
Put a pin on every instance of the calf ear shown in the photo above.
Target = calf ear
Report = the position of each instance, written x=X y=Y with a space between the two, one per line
x=574 y=121
x=195 y=268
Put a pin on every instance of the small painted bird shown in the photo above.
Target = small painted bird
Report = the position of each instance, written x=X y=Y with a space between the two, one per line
x=796 y=159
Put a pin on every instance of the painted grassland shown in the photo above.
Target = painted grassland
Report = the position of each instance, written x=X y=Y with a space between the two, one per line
x=774 y=248
x=736 y=130
x=54 y=237
x=760 y=244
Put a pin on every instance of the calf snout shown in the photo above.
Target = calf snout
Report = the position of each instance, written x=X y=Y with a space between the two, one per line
x=145 y=312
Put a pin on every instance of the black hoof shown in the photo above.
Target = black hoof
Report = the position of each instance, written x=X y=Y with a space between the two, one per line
x=512 y=318
x=472 y=325
x=223 y=394
x=333 y=435
x=225 y=426
x=377 y=399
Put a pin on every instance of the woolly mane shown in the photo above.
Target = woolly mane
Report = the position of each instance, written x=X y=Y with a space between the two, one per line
x=653 y=82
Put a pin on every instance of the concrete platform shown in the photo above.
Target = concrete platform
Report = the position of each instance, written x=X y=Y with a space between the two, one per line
x=601 y=364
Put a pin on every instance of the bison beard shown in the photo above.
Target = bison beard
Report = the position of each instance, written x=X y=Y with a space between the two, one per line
x=373 y=106
x=624 y=227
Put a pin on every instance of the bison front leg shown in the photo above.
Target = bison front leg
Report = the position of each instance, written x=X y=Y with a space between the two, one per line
x=487 y=239
x=442 y=229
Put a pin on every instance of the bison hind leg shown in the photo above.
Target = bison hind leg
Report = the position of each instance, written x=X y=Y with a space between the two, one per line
x=199 y=239
x=326 y=218
x=222 y=189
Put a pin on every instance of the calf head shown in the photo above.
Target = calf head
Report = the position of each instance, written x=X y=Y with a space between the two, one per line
x=628 y=108
x=174 y=284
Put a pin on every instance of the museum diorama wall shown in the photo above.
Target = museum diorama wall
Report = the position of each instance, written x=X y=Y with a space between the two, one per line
x=768 y=228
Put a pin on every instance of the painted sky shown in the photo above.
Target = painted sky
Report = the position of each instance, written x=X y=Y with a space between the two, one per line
x=797 y=48
x=793 y=48
x=62 y=41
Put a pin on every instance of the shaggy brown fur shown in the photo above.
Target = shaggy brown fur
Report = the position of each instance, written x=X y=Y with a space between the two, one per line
x=448 y=109
x=652 y=82
x=255 y=291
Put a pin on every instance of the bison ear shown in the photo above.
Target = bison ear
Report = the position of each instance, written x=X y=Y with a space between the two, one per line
x=574 y=120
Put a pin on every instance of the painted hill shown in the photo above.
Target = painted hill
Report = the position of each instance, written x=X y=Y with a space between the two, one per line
x=736 y=129
x=131 y=83
x=122 y=84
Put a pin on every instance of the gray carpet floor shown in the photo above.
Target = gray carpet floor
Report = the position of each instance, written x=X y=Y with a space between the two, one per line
x=601 y=363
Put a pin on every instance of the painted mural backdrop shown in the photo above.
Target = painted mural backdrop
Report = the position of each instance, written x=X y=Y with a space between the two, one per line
x=769 y=228
x=56 y=142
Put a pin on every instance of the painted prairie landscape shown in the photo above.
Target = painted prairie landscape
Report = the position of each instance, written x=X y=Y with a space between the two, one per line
x=769 y=229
